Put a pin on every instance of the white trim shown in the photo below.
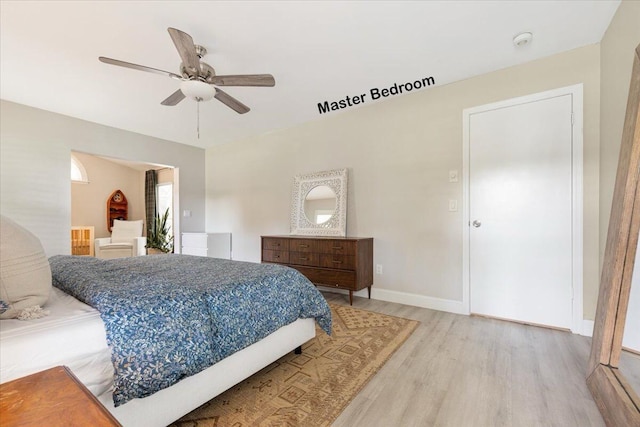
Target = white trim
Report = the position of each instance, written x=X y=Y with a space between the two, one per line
x=577 y=193
x=440 y=304
x=578 y=206
x=177 y=235
x=466 y=284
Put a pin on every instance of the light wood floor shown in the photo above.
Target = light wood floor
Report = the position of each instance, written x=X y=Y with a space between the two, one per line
x=470 y=371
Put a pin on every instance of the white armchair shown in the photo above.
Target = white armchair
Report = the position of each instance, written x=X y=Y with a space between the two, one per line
x=126 y=240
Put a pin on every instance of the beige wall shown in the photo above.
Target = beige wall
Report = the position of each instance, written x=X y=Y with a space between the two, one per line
x=89 y=201
x=35 y=152
x=618 y=43
x=398 y=152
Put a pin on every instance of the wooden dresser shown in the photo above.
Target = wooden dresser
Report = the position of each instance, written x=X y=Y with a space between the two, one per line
x=51 y=398
x=336 y=262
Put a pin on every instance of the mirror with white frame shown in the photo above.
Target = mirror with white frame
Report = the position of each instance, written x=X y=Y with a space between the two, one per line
x=319 y=204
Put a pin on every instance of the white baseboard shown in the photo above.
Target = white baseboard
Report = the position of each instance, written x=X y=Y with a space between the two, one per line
x=415 y=300
x=440 y=304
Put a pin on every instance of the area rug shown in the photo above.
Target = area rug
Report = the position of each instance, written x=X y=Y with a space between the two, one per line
x=310 y=389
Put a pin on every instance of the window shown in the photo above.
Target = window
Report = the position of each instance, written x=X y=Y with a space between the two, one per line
x=78 y=172
x=164 y=201
x=323 y=215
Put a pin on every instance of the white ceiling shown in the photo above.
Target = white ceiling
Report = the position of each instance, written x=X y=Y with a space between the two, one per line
x=316 y=50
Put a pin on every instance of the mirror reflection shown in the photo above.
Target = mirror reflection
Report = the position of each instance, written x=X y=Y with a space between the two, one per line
x=320 y=204
x=630 y=357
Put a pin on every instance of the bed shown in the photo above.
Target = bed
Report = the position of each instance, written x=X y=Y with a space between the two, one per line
x=234 y=317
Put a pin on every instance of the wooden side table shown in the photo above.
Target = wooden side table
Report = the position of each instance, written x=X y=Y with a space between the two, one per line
x=55 y=398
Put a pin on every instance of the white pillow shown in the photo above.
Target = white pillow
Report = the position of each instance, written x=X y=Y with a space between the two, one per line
x=25 y=274
x=125 y=231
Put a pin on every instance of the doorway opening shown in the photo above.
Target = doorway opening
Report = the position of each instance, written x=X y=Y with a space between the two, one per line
x=107 y=174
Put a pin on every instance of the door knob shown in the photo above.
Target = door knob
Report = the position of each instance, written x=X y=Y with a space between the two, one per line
x=476 y=223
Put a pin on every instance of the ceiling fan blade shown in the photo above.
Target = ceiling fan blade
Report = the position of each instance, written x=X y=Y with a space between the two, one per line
x=186 y=49
x=231 y=102
x=138 y=67
x=174 y=98
x=244 y=80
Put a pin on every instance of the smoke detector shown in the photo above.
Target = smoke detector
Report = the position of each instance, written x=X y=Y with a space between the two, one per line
x=522 y=39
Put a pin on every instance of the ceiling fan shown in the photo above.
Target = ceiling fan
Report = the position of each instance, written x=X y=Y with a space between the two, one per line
x=198 y=80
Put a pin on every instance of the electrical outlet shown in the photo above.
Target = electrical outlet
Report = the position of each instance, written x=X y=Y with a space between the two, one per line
x=453 y=205
x=378 y=268
x=186 y=213
x=453 y=175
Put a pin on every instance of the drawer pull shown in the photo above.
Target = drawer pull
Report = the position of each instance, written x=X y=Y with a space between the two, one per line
x=337 y=262
x=303 y=246
x=337 y=285
x=304 y=259
x=277 y=256
x=337 y=247
x=276 y=244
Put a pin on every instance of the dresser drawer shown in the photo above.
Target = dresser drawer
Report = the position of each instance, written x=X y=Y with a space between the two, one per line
x=275 y=256
x=275 y=243
x=337 y=247
x=330 y=278
x=303 y=245
x=342 y=262
x=303 y=258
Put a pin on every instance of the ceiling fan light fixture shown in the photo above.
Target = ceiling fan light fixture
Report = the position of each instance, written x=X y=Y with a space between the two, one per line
x=195 y=89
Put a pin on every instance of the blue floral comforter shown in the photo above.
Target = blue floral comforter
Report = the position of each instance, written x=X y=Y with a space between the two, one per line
x=170 y=316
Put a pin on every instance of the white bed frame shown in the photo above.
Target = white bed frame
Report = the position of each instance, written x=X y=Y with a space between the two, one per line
x=167 y=405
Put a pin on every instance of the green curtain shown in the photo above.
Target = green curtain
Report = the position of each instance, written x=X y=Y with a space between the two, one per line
x=150 y=198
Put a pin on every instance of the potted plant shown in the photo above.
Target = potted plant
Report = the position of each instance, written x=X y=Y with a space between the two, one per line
x=158 y=238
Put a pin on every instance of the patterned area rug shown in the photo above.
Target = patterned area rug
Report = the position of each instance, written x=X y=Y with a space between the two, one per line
x=313 y=388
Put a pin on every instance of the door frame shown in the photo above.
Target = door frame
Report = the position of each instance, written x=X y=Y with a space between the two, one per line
x=576 y=91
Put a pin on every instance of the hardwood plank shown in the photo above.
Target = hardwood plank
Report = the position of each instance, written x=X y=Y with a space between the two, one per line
x=471 y=371
x=630 y=367
x=634 y=399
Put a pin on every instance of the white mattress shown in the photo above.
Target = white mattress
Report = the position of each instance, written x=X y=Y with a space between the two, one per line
x=72 y=335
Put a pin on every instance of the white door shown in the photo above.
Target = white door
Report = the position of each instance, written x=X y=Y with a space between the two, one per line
x=520 y=212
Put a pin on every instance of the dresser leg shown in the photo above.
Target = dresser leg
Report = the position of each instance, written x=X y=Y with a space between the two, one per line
x=350 y=297
x=298 y=350
x=369 y=289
